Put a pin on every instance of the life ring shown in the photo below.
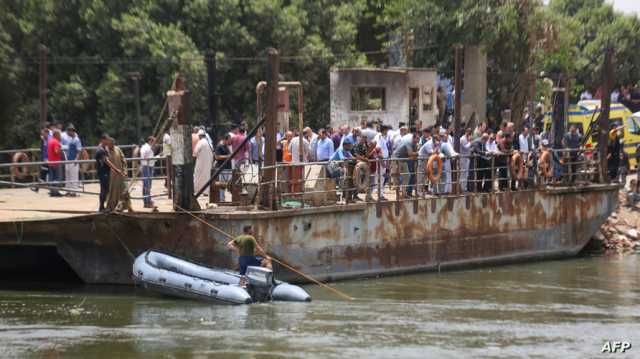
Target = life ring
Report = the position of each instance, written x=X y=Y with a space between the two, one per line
x=135 y=164
x=434 y=177
x=544 y=164
x=360 y=179
x=517 y=166
x=20 y=171
x=86 y=166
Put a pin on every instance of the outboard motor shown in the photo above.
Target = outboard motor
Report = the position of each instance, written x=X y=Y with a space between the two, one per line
x=259 y=283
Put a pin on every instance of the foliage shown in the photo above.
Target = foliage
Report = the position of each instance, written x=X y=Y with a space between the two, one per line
x=96 y=45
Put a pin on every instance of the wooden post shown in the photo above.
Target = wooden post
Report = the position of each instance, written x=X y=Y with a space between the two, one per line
x=270 y=135
x=43 y=78
x=181 y=155
x=456 y=117
x=603 y=123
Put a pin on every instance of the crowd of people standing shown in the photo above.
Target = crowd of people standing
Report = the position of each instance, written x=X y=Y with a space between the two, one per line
x=372 y=155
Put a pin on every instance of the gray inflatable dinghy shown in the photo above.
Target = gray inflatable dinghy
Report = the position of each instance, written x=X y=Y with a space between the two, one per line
x=173 y=276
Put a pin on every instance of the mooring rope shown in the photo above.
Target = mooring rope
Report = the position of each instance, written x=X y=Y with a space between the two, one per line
x=306 y=276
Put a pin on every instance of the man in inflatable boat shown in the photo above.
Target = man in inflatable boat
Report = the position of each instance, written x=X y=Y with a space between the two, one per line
x=247 y=248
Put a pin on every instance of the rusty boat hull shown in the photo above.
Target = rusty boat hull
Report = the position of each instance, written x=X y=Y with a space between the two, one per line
x=337 y=242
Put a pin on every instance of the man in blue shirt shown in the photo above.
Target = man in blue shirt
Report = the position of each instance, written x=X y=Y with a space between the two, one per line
x=324 y=147
x=340 y=167
x=71 y=146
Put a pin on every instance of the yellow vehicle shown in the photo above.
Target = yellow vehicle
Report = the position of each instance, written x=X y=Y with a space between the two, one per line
x=586 y=112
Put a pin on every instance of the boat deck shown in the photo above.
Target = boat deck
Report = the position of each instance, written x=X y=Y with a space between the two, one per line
x=23 y=204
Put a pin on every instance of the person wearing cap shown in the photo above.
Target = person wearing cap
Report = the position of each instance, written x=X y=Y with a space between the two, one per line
x=146 y=152
x=71 y=146
x=204 y=160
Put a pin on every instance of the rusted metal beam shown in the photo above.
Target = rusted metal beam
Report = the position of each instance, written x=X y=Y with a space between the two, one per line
x=456 y=116
x=270 y=135
x=603 y=123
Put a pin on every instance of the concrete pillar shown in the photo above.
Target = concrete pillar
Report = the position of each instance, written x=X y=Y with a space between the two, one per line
x=475 y=83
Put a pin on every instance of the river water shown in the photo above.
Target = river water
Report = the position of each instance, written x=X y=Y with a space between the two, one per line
x=555 y=309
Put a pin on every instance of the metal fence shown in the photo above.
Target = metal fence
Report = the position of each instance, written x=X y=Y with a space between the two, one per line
x=341 y=182
x=348 y=181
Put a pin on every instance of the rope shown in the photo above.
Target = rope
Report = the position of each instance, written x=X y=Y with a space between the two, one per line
x=335 y=291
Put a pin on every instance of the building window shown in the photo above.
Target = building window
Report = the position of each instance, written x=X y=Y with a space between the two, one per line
x=368 y=99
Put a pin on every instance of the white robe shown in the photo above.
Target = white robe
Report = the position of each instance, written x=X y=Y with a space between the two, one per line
x=204 y=161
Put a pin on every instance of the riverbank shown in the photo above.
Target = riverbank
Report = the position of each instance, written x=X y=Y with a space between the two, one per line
x=620 y=234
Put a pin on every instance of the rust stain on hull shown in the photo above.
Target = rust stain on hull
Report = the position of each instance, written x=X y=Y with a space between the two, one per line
x=341 y=242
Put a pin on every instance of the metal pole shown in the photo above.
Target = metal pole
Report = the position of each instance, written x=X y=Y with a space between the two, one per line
x=136 y=76
x=458 y=96
x=43 y=79
x=456 y=116
x=607 y=80
x=210 y=62
x=270 y=135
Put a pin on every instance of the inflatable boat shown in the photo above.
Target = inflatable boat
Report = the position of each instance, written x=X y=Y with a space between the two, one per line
x=177 y=277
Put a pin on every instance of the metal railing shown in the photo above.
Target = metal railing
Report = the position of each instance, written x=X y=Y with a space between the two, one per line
x=29 y=173
x=303 y=184
x=342 y=182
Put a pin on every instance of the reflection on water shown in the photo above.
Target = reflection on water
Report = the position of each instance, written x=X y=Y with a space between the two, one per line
x=548 y=309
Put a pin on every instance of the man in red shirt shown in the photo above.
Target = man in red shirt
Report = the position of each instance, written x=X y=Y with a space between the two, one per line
x=54 y=155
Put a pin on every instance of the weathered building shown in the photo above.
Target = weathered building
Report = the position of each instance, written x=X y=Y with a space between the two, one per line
x=390 y=95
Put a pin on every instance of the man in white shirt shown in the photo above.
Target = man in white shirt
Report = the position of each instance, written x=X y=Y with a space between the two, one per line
x=369 y=132
x=382 y=142
x=525 y=146
x=166 y=144
x=447 y=151
x=297 y=172
x=465 y=160
x=146 y=152
x=294 y=149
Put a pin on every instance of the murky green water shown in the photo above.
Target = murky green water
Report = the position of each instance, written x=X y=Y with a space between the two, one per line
x=551 y=309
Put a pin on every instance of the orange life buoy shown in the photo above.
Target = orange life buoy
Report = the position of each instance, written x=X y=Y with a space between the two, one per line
x=544 y=164
x=434 y=177
x=20 y=171
x=517 y=166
